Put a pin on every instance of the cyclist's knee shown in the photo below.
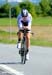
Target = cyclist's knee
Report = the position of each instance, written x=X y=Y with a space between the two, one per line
x=20 y=34
x=28 y=36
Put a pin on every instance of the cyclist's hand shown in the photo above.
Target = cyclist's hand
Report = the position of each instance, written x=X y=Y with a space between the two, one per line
x=25 y=27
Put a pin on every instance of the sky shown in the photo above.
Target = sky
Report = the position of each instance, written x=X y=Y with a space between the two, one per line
x=14 y=0
x=36 y=1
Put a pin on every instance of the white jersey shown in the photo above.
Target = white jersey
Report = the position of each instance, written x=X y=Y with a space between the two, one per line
x=28 y=19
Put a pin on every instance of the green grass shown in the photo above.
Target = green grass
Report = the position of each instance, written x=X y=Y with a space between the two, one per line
x=4 y=33
x=8 y=41
x=39 y=42
x=43 y=21
x=6 y=37
x=36 y=21
x=7 y=21
x=36 y=42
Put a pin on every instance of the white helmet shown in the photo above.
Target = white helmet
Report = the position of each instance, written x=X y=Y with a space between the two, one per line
x=24 y=12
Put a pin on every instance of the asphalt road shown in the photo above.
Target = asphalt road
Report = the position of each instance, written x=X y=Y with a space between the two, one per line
x=40 y=62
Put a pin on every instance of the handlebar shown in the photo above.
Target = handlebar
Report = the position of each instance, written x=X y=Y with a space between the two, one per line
x=23 y=31
x=26 y=31
x=32 y=33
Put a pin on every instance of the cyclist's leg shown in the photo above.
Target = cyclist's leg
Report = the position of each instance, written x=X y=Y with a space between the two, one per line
x=19 y=39
x=28 y=43
x=19 y=36
x=20 y=33
x=28 y=40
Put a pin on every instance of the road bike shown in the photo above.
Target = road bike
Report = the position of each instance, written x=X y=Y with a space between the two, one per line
x=23 y=49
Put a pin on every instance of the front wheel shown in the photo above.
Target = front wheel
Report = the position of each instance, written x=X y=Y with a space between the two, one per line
x=23 y=59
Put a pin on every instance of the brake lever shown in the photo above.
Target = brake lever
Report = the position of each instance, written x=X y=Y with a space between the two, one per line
x=32 y=33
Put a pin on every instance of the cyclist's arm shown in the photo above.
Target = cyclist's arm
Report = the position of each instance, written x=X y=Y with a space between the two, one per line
x=29 y=22
x=19 y=22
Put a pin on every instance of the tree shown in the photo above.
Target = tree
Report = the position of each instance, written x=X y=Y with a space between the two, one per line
x=4 y=10
x=38 y=10
x=17 y=10
x=50 y=4
x=45 y=7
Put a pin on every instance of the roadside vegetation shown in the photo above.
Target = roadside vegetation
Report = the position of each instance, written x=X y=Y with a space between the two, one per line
x=38 y=21
x=7 y=39
x=43 y=8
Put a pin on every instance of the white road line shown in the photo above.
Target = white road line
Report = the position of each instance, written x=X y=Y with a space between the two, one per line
x=11 y=70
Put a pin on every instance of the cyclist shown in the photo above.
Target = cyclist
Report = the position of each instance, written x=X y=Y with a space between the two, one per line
x=24 y=22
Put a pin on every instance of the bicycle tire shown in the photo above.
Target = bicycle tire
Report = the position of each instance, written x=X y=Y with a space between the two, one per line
x=23 y=58
x=23 y=55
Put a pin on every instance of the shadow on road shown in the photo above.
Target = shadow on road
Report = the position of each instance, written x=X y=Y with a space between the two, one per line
x=10 y=63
